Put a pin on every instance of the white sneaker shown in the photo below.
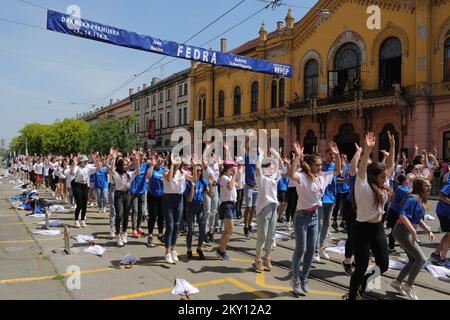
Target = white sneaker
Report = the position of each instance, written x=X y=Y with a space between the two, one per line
x=168 y=258
x=119 y=241
x=323 y=254
x=429 y=217
x=73 y=207
x=124 y=238
x=289 y=226
x=112 y=233
x=174 y=256
x=409 y=290
x=316 y=258
x=83 y=224
x=77 y=224
x=398 y=287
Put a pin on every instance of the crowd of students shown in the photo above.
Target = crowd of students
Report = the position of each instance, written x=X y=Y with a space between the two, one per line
x=304 y=191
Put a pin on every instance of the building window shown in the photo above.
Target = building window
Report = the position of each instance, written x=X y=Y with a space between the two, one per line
x=347 y=69
x=161 y=97
x=148 y=101
x=185 y=119
x=310 y=85
x=180 y=90
x=310 y=142
x=273 y=94
x=159 y=142
x=202 y=107
x=281 y=95
x=390 y=63
x=180 y=117
x=154 y=100
x=185 y=89
x=221 y=104
x=168 y=95
x=160 y=121
x=237 y=100
x=447 y=60
x=168 y=120
x=255 y=96
x=137 y=105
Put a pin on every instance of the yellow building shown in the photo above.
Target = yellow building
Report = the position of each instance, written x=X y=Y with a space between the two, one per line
x=349 y=77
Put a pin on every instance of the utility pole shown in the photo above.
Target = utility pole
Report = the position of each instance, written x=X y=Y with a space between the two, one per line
x=26 y=146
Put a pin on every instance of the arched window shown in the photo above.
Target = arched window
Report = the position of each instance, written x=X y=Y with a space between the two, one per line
x=221 y=104
x=237 y=100
x=346 y=139
x=274 y=94
x=447 y=60
x=255 y=97
x=347 y=69
x=281 y=94
x=390 y=63
x=310 y=142
x=311 y=80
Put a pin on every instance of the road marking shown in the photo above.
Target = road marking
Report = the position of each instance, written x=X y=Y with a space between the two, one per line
x=247 y=288
x=27 y=241
x=261 y=281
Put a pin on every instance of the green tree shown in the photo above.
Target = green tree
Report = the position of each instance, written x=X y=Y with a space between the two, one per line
x=113 y=133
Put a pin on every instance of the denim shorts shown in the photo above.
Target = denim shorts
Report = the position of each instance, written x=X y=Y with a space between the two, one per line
x=227 y=210
x=250 y=195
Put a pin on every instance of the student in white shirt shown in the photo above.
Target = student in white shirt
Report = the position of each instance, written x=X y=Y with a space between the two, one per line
x=174 y=182
x=268 y=173
x=39 y=172
x=122 y=179
x=240 y=180
x=80 y=187
x=371 y=194
x=311 y=184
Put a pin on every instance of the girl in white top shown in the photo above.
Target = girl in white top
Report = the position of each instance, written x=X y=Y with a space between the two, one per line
x=174 y=182
x=311 y=184
x=267 y=176
x=240 y=183
x=371 y=195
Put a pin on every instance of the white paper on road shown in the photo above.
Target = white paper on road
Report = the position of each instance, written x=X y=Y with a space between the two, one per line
x=51 y=223
x=57 y=209
x=95 y=250
x=129 y=259
x=429 y=217
x=438 y=272
x=50 y=233
x=182 y=287
x=339 y=249
x=396 y=265
x=282 y=236
x=37 y=216
x=84 y=238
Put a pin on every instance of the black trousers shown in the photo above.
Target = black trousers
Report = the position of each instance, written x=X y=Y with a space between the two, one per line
x=155 y=211
x=292 y=199
x=122 y=202
x=239 y=200
x=339 y=204
x=349 y=216
x=80 y=192
x=368 y=236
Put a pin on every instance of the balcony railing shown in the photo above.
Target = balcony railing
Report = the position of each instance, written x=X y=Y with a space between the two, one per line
x=299 y=105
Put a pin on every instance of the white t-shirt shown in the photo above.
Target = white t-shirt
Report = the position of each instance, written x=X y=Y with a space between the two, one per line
x=213 y=171
x=177 y=185
x=123 y=182
x=39 y=168
x=82 y=175
x=312 y=192
x=46 y=169
x=69 y=177
x=267 y=191
x=225 y=193
x=365 y=201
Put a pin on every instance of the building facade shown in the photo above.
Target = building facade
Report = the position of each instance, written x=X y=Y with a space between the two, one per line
x=349 y=78
x=118 y=109
x=167 y=103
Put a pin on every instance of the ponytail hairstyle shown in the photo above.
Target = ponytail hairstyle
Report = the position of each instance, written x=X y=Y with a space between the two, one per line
x=373 y=171
x=418 y=186
x=306 y=164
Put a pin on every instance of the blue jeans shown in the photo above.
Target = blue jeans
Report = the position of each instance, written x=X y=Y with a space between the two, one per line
x=324 y=221
x=195 y=211
x=211 y=207
x=267 y=223
x=137 y=209
x=250 y=196
x=112 y=208
x=173 y=212
x=102 y=198
x=306 y=230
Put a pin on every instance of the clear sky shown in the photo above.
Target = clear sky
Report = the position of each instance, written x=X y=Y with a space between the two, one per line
x=37 y=66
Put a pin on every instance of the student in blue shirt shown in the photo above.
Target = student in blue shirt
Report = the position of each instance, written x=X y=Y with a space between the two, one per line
x=155 y=195
x=328 y=201
x=438 y=257
x=282 y=187
x=400 y=195
x=195 y=191
x=342 y=190
x=411 y=215
x=101 y=185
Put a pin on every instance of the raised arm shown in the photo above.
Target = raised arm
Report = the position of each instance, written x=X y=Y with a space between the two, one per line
x=369 y=143
x=258 y=172
x=390 y=164
x=298 y=157
x=337 y=157
x=353 y=170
